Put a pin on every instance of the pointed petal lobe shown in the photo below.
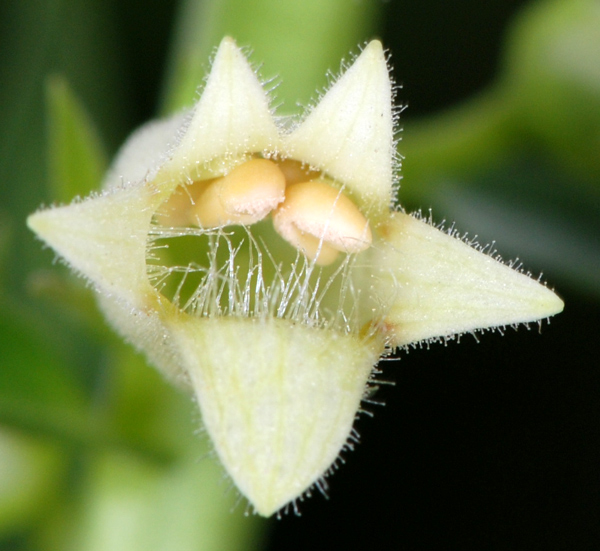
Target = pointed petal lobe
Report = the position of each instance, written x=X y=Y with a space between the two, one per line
x=104 y=239
x=434 y=285
x=279 y=412
x=350 y=133
x=232 y=116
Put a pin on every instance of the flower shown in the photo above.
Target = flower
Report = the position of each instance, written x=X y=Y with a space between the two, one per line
x=261 y=264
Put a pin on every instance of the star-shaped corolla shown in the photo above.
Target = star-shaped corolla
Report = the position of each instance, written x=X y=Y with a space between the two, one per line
x=260 y=264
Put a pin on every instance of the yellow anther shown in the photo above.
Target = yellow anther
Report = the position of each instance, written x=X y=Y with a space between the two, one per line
x=254 y=188
x=320 y=220
x=177 y=211
x=295 y=171
x=244 y=196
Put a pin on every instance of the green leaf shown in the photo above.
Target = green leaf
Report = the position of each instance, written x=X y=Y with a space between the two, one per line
x=30 y=478
x=456 y=144
x=76 y=157
x=6 y=231
x=128 y=505
x=32 y=372
x=553 y=67
x=40 y=395
x=32 y=381
x=297 y=42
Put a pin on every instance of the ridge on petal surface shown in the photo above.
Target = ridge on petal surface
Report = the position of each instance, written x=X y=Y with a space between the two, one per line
x=104 y=238
x=435 y=285
x=232 y=116
x=350 y=133
x=279 y=418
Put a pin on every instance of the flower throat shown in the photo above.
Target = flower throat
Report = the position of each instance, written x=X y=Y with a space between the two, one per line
x=221 y=245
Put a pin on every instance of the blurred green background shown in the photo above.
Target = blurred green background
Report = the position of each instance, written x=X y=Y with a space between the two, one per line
x=489 y=445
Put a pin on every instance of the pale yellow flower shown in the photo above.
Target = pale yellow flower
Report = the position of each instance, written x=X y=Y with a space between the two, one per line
x=260 y=263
